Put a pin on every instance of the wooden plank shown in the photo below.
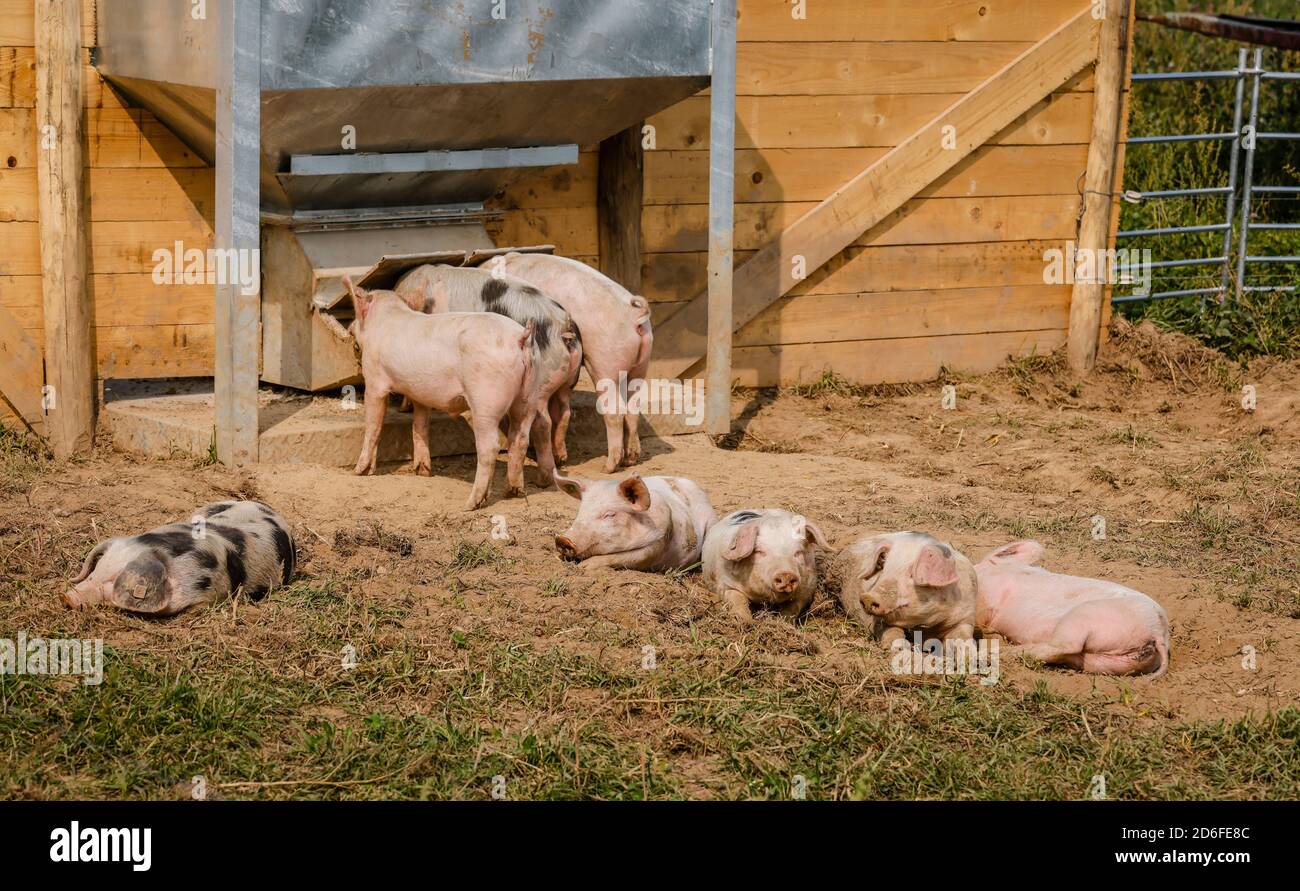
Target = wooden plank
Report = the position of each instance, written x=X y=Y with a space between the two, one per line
x=114 y=247
x=812 y=174
x=833 y=318
x=827 y=68
x=684 y=227
x=870 y=21
x=18 y=80
x=672 y=277
x=618 y=207
x=61 y=186
x=121 y=195
x=1099 y=186
x=884 y=186
x=18 y=23
x=155 y=351
x=887 y=361
x=570 y=185
x=21 y=374
x=117 y=300
x=115 y=137
x=854 y=121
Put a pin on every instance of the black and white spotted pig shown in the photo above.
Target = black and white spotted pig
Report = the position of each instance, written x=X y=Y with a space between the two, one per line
x=224 y=548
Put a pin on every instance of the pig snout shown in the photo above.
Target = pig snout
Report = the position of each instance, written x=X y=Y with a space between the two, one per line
x=71 y=599
x=568 y=550
x=785 y=582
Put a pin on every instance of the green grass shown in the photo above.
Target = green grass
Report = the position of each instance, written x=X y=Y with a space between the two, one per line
x=398 y=727
x=1260 y=324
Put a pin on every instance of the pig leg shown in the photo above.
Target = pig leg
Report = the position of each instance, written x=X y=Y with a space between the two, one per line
x=891 y=634
x=960 y=632
x=376 y=406
x=614 y=440
x=793 y=609
x=521 y=423
x=541 y=439
x=486 y=445
x=738 y=603
x=558 y=409
x=420 y=439
x=631 y=421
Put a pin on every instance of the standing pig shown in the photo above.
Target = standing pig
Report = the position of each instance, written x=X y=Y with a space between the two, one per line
x=616 y=338
x=455 y=361
x=226 y=547
x=656 y=523
x=439 y=289
x=908 y=581
x=1087 y=624
x=763 y=557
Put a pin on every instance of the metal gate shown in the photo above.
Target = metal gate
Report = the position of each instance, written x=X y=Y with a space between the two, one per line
x=1238 y=194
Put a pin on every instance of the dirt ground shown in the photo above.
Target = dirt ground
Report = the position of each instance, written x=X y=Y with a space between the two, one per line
x=1201 y=502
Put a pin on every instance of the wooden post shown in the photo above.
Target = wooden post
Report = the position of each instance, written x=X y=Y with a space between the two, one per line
x=619 y=186
x=1099 y=184
x=60 y=176
x=722 y=185
x=237 y=327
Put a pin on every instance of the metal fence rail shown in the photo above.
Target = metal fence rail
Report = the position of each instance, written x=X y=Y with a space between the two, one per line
x=1245 y=137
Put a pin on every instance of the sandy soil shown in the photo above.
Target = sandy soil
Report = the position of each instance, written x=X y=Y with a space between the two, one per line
x=1201 y=501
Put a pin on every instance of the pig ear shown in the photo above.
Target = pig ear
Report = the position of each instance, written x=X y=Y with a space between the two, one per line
x=636 y=492
x=143 y=584
x=877 y=562
x=571 y=486
x=360 y=298
x=814 y=534
x=742 y=542
x=1028 y=552
x=933 y=569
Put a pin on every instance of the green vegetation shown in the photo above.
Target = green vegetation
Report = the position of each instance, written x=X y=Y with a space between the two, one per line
x=1260 y=324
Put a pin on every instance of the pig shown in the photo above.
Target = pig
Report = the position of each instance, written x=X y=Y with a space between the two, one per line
x=225 y=547
x=454 y=361
x=440 y=288
x=1086 y=624
x=907 y=581
x=653 y=524
x=616 y=338
x=763 y=557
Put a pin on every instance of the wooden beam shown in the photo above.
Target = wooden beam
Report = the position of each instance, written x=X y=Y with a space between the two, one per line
x=1099 y=186
x=722 y=159
x=619 y=187
x=884 y=186
x=20 y=373
x=69 y=353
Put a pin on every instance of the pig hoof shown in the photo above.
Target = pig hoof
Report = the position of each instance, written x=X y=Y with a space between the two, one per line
x=561 y=456
x=611 y=465
x=423 y=470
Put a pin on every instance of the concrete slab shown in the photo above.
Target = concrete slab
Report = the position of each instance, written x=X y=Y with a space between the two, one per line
x=165 y=417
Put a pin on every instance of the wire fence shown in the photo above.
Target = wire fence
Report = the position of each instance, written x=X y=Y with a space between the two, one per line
x=1239 y=194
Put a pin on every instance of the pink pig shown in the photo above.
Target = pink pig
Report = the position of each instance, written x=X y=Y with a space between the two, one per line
x=763 y=558
x=455 y=361
x=1088 y=624
x=656 y=523
x=616 y=336
x=908 y=581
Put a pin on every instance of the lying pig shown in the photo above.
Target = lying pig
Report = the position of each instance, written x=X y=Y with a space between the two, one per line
x=439 y=289
x=455 y=361
x=226 y=547
x=1087 y=624
x=907 y=581
x=656 y=523
x=763 y=557
x=616 y=337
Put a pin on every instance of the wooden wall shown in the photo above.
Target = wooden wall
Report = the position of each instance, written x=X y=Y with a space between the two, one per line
x=954 y=278
x=145 y=189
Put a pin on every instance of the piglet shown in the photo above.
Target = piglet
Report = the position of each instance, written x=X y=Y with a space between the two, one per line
x=654 y=523
x=907 y=581
x=226 y=547
x=1087 y=624
x=452 y=361
x=763 y=558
